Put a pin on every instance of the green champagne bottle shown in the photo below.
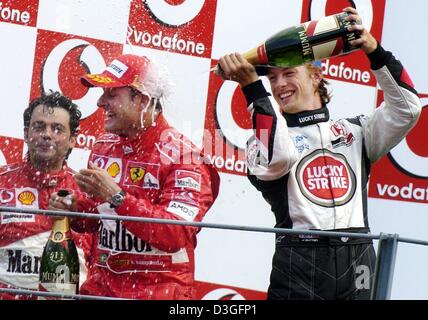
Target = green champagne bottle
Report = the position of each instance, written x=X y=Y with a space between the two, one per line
x=59 y=267
x=310 y=41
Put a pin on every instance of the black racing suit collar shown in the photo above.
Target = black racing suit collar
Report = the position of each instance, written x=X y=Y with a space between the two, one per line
x=306 y=118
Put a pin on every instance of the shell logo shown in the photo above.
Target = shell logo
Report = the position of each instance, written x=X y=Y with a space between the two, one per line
x=27 y=198
x=113 y=170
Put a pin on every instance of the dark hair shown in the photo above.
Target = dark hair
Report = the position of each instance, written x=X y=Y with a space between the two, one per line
x=55 y=99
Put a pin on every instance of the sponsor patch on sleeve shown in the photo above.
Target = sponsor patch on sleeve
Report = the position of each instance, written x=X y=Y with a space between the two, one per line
x=185 y=211
x=188 y=180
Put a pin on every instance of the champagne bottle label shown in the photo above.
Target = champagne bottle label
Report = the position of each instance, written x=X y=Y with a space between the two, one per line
x=313 y=40
x=59 y=269
x=329 y=36
x=63 y=280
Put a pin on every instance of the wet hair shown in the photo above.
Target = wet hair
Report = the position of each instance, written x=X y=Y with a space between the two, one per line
x=55 y=99
x=322 y=86
x=134 y=92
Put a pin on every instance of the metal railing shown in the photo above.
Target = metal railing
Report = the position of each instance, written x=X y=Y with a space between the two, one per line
x=385 y=261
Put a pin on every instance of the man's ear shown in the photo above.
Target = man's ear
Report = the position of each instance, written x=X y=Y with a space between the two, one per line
x=72 y=141
x=317 y=76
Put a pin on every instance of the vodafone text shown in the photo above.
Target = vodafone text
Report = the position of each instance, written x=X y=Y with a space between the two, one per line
x=13 y=15
x=341 y=71
x=165 y=42
x=85 y=141
x=409 y=192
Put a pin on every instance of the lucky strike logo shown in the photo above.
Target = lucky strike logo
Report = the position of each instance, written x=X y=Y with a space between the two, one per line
x=326 y=178
x=183 y=26
x=354 y=67
x=403 y=173
x=60 y=61
x=227 y=126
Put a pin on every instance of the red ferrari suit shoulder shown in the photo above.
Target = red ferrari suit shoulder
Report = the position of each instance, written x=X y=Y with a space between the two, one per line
x=164 y=176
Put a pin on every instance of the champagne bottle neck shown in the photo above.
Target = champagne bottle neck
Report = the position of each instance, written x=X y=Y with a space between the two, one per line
x=60 y=229
x=256 y=56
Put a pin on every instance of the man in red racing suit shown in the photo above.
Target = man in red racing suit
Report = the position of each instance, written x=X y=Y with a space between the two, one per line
x=29 y=185
x=143 y=169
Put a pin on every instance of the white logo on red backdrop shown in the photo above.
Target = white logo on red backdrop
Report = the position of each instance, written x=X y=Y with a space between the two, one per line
x=183 y=26
x=2 y=159
x=231 y=116
x=223 y=294
x=326 y=178
x=354 y=68
x=60 y=61
x=89 y=57
x=212 y=291
x=175 y=12
x=228 y=126
x=403 y=174
x=322 y=8
x=411 y=153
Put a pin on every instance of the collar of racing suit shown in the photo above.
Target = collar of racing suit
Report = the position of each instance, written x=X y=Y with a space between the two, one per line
x=43 y=179
x=146 y=137
x=306 y=118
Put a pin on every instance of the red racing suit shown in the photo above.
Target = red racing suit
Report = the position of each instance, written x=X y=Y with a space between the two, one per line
x=164 y=176
x=23 y=236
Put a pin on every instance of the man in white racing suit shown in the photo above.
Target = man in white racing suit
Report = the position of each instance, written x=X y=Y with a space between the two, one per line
x=313 y=171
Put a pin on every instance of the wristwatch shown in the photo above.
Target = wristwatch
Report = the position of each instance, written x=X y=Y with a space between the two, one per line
x=117 y=199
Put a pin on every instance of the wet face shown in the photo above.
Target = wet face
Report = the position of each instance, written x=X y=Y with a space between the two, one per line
x=49 y=137
x=295 y=89
x=122 y=110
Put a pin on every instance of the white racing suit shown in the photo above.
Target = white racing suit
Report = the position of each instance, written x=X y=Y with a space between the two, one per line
x=313 y=171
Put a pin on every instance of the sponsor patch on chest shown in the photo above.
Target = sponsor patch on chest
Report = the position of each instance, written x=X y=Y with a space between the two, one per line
x=326 y=178
x=113 y=166
x=340 y=136
x=141 y=174
x=27 y=198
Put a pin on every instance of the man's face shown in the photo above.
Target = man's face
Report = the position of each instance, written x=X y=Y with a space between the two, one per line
x=122 y=111
x=48 y=136
x=294 y=89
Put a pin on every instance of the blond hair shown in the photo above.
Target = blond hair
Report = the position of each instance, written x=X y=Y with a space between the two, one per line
x=325 y=96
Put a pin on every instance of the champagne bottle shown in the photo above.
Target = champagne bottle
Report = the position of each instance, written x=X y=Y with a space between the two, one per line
x=59 y=268
x=307 y=42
